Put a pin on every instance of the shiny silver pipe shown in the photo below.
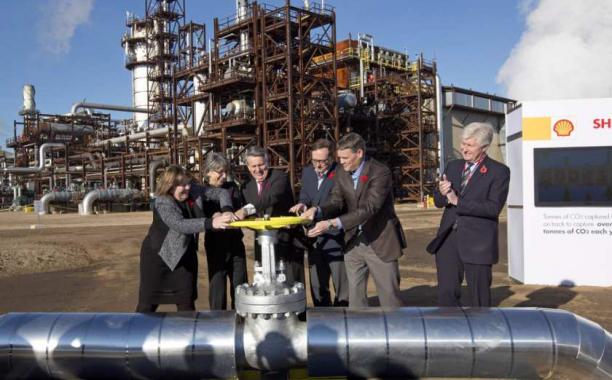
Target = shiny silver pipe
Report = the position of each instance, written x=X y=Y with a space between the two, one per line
x=99 y=106
x=117 y=346
x=401 y=343
x=106 y=195
x=54 y=196
x=42 y=151
x=522 y=343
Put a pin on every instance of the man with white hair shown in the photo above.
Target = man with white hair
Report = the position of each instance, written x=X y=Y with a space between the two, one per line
x=473 y=191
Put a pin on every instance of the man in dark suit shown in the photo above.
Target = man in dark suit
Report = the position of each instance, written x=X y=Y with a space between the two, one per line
x=325 y=259
x=361 y=204
x=270 y=192
x=473 y=191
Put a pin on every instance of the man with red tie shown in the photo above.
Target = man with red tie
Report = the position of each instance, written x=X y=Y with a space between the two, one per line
x=270 y=192
x=473 y=191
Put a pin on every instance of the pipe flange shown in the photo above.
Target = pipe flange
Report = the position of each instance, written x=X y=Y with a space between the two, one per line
x=275 y=301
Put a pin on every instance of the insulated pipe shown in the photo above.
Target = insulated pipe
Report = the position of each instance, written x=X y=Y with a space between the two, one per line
x=41 y=161
x=153 y=166
x=76 y=106
x=73 y=129
x=117 y=346
x=440 y=124
x=106 y=195
x=54 y=196
x=453 y=342
x=400 y=343
x=135 y=136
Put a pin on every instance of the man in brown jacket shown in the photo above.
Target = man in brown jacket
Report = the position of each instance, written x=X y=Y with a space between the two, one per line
x=361 y=204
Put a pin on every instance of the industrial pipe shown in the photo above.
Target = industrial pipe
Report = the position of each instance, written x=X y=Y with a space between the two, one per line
x=64 y=128
x=117 y=346
x=41 y=161
x=440 y=124
x=453 y=342
x=54 y=196
x=401 y=343
x=136 y=136
x=76 y=106
x=105 y=195
x=153 y=166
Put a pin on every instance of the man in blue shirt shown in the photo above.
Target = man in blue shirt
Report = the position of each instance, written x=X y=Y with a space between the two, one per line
x=361 y=205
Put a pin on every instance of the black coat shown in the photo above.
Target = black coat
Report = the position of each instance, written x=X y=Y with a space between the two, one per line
x=276 y=198
x=158 y=283
x=224 y=242
x=331 y=242
x=477 y=212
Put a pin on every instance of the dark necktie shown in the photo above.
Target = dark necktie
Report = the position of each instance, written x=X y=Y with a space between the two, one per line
x=465 y=176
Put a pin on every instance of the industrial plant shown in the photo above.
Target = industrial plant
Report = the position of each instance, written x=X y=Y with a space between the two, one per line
x=275 y=76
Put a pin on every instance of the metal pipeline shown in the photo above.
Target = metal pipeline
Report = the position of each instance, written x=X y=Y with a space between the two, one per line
x=76 y=106
x=136 y=136
x=117 y=346
x=454 y=342
x=106 y=195
x=405 y=343
x=41 y=161
x=153 y=166
x=54 y=196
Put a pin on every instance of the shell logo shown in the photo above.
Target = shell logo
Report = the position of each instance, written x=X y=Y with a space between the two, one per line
x=563 y=128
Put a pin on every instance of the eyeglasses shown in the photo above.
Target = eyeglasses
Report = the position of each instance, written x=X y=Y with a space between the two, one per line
x=325 y=161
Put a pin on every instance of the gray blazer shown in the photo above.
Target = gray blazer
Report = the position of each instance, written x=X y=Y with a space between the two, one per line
x=176 y=241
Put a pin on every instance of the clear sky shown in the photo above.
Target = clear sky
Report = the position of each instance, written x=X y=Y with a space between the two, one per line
x=70 y=49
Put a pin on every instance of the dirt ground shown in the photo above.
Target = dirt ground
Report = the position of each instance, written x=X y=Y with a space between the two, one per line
x=90 y=263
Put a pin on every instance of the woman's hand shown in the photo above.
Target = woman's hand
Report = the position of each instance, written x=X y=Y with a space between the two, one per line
x=221 y=222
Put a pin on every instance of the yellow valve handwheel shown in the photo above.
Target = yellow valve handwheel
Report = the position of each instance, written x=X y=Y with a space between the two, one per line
x=273 y=223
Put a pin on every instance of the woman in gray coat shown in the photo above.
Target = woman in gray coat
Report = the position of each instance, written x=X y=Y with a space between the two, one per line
x=168 y=257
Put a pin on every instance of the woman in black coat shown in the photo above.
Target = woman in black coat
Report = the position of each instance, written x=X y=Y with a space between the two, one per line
x=225 y=252
x=168 y=257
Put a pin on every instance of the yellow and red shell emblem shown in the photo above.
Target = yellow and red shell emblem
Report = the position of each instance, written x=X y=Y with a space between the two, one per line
x=563 y=128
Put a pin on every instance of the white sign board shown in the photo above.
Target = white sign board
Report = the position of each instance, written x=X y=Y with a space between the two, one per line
x=560 y=201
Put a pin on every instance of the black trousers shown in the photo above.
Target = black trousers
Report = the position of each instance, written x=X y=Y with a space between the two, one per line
x=226 y=260
x=450 y=272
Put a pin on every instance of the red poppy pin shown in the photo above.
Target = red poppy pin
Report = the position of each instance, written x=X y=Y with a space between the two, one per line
x=363 y=179
x=190 y=202
x=331 y=175
x=483 y=169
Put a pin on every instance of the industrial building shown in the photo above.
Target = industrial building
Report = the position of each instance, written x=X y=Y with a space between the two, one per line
x=274 y=76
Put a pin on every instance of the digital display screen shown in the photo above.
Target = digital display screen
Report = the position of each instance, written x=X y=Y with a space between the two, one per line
x=567 y=177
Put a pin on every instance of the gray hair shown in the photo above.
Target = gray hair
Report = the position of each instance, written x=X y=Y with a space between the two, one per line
x=482 y=132
x=352 y=141
x=216 y=162
x=256 y=151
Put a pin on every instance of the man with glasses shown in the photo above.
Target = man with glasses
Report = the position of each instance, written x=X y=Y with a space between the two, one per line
x=325 y=259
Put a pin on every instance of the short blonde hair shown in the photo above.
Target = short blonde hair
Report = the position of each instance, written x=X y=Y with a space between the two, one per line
x=169 y=179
